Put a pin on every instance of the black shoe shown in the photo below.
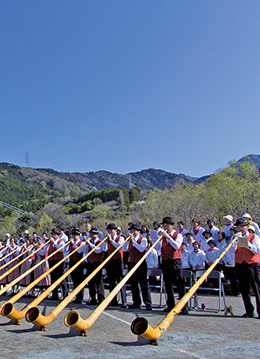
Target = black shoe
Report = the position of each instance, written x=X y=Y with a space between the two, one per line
x=248 y=315
x=114 y=304
x=167 y=310
x=91 y=302
x=149 y=307
x=134 y=306
x=184 y=311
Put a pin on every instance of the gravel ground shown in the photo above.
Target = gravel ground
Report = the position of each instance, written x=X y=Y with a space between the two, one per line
x=206 y=334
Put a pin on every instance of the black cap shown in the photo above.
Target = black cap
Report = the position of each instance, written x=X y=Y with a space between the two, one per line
x=94 y=230
x=167 y=220
x=111 y=226
x=135 y=226
x=55 y=231
x=84 y=233
x=207 y=231
x=75 y=231
x=241 y=222
x=212 y=241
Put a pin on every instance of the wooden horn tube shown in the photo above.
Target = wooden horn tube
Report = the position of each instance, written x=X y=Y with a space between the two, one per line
x=16 y=314
x=16 y=280
x=43 y=320
x=12 y=260
x=73 y=319
x=18 y=264
x=141 y=327
x=6 y=256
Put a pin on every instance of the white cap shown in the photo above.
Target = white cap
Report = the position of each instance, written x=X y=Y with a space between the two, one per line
x=252 y=228
x=7 y=235
x=229 y=218
x=26 y=231
x=247 y=215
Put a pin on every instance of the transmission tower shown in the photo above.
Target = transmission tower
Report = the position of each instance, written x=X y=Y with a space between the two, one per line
x=27 y=159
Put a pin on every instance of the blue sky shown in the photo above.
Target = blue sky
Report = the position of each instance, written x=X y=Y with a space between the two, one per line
x=127 y=85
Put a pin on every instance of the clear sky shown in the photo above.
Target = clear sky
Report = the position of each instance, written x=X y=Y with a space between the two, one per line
x=125 y=85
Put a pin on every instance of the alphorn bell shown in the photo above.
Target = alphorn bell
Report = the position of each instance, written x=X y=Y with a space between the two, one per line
x=33 y=315
x=73 y=319
x=140 y=325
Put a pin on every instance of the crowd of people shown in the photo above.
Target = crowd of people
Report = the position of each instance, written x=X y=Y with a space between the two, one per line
x=174 y=249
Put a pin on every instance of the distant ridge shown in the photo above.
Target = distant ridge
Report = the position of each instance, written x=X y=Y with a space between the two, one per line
x=19 y=185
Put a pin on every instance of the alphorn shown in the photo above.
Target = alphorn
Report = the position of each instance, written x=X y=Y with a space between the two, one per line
x=9 y=311
x=6 y=256
x=33 y=315
x=140 y=325
x=73 y=319
x=14 y=259
x=20 y=263
x=16 y=280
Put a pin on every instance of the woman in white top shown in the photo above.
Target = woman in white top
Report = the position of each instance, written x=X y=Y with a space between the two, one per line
x=197 y=257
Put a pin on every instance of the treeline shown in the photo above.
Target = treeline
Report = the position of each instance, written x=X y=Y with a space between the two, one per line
x=233 y=190
x=121 y=197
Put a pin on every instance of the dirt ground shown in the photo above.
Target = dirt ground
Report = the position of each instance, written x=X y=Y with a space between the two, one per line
x=201 y=334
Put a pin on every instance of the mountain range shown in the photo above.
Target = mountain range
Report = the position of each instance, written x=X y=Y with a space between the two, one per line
x=24 y=184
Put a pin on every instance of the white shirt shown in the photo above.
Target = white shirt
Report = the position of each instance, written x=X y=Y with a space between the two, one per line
x=152 y=259
x=185 y=259
x=197 y=259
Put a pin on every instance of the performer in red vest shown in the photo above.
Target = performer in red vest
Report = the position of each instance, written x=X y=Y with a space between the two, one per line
x=56 y=243
x=77 y=273
x=247 y=252
x=96 y=284
x=114 y=266
x=171 y=263
x=137 y=246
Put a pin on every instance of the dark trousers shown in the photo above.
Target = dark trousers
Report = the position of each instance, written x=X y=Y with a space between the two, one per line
x=140 y=277
x=77 y=279
x=249 y=274
x=114 y=270
x=231 y=275
x=56 y=274
x=172 y=275
x=96 y=284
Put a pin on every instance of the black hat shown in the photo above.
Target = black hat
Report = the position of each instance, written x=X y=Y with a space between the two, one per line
x=241 y=222
x=55 y=231
x=167 y=220
x=135 y=226
x=75 y=231
x=94 y=230
x=207 y=231
x=84 y=233
x=111 y=226
x=212 y=241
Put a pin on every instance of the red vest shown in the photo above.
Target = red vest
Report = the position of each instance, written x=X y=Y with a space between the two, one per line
x=59 y=255
x=96 y=257
x=244 y=254
x=134 y=254
x=75 y=257
x=111 y=249
x=168 y=252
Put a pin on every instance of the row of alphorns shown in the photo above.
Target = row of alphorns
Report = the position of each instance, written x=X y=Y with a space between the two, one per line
x=32 y=314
